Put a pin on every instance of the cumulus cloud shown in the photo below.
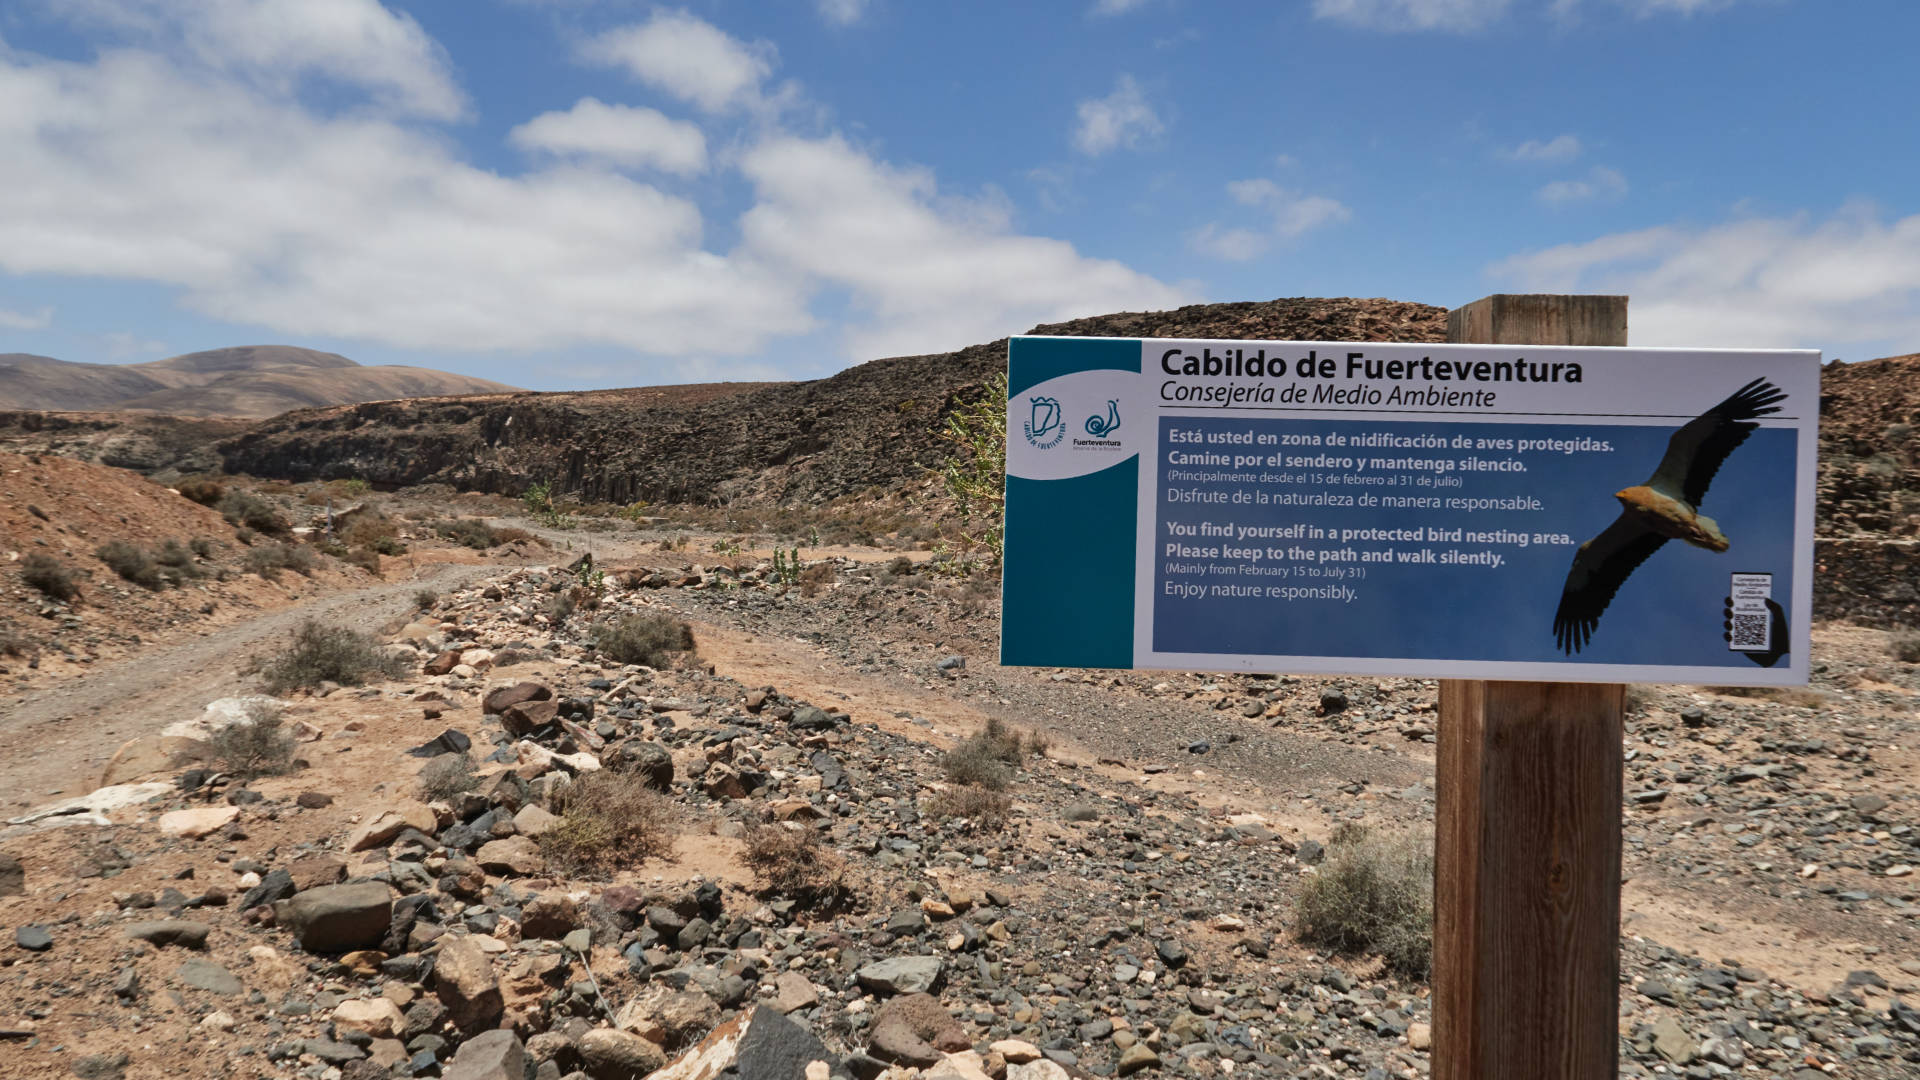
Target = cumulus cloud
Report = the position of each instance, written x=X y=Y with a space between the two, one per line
x=1231 y=244
x=38 y=319
x=931 y=273
x=1600 y=185
x=273 y=44
x=349 y=222
x=621 y=134
x=689 y=58
x=1292 y=215
x=1410 y=15
x=1123 y=118
x=1849 y=282
x=1560 y=148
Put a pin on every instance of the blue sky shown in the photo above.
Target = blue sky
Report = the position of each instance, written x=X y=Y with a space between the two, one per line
x=574 y=193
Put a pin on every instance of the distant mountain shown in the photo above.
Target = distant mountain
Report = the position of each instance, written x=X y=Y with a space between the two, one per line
x=247 y=380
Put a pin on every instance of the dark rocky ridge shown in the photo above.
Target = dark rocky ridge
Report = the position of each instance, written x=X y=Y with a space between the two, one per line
x=875 y=425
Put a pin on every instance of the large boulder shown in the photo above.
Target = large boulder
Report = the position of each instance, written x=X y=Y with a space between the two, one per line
x=492 y=1055
x=611 y=1054
x=759 y=1045
x=338 y=918
x=901 y=975
x=525 y=717
x=186 y=740
x=648 y=760
x=504 y=698
x=379 y=831
x=464 y=981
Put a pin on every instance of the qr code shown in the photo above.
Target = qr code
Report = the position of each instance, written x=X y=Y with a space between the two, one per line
x=1750 y=632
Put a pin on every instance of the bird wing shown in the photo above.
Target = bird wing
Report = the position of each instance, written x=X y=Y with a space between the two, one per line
x=1599 y=568
x=1696 y=452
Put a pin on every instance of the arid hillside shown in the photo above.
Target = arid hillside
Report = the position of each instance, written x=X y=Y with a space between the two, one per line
x=870 y=426
x=248 y=380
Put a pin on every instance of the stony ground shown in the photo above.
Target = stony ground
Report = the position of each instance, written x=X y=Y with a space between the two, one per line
x=1134 y=912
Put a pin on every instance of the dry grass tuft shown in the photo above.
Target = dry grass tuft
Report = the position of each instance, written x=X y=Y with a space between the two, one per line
x=256 y=746
x=1373 y=894
x=608 y=821
x=651 y=638
x=335 y=654
x=789 y=860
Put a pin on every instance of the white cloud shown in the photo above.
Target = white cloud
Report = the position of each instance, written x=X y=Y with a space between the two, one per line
x=1560 y=148
x=843 y=12
x=39 y=319
x=125 y=345
x=689 y=58
x=1851 y=281
x=1402 y=15
x=931 y=273
x=622 y=134
x=1121 y=119
x=350 y=223
x=273 y=43
x=1115 y=7
x=1231 y=244
x=1600 y=185
x=1293 y=214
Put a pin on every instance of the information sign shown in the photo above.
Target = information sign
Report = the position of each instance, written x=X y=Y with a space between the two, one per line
x=1466 y=511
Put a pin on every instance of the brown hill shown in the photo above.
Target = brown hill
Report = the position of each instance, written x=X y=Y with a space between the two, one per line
x=874 y=425
x=247 y=381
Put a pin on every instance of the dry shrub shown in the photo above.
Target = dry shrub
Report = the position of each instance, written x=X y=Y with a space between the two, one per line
x=256 y=746
x=513 y=535
x=335 y=654
x=468 y=532
x=651 y=638
x=608 y=821
x=447 y=776
x=424 y=599
x=986 y=758
x=366 y=559
x=132 y=562
x=247 y=510
x=1905 y=647
x=789 y=860
x=817 y=577
x=51 y=576
x=204 y=490
x=176 y=560
x=560 y=605
x=1373 y=894
x=986 y=811
x=268 y=560
x=369 y=528
x=12 y=641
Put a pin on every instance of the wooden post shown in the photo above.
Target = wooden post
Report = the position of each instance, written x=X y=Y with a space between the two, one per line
x=1526 y=961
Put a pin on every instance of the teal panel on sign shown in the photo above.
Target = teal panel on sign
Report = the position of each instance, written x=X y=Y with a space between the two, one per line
x=1032 y=361
x=1067 y=586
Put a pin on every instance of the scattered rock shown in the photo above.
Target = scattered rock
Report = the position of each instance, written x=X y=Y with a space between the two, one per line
x=338 y=918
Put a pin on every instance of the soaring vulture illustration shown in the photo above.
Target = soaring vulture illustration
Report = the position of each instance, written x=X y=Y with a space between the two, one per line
x=1666 y=507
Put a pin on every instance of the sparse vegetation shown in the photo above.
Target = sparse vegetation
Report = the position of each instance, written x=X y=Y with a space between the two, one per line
x=365 y=558
x=50 y=576
x=268 y=560
x=204 y=490
x=446 y=776
x=256 y=746
x=133 y=563
x=12 y=641
x=247 y=510
x=651 y=638
x=560 y=606
x=335 y=654
x=789 y=860
x=477 y=534
x=177 y=562
x=1905 y=646
x=608 y=821
x=976 y=473
x=1373 y=894
x=983 y=809
x=986 y=758
x=817 y=577
x=203 y=547
x=424 y=599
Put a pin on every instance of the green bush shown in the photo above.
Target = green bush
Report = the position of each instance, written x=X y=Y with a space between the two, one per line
x=1372 y=894
x=650 y=638
x=608 y=821
x=447 y=776
x=203 y=547
x=335 y=654
x=133 y=563
x=256 y=746
x=250 y=511
x=51 y=576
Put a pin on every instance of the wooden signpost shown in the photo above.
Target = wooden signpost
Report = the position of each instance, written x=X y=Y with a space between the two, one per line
x=1526 y=961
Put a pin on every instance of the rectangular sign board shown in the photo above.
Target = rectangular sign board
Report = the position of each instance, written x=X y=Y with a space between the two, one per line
x=1530 y=512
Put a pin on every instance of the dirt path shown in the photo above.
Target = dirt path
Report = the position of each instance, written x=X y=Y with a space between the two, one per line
x=59 y=739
